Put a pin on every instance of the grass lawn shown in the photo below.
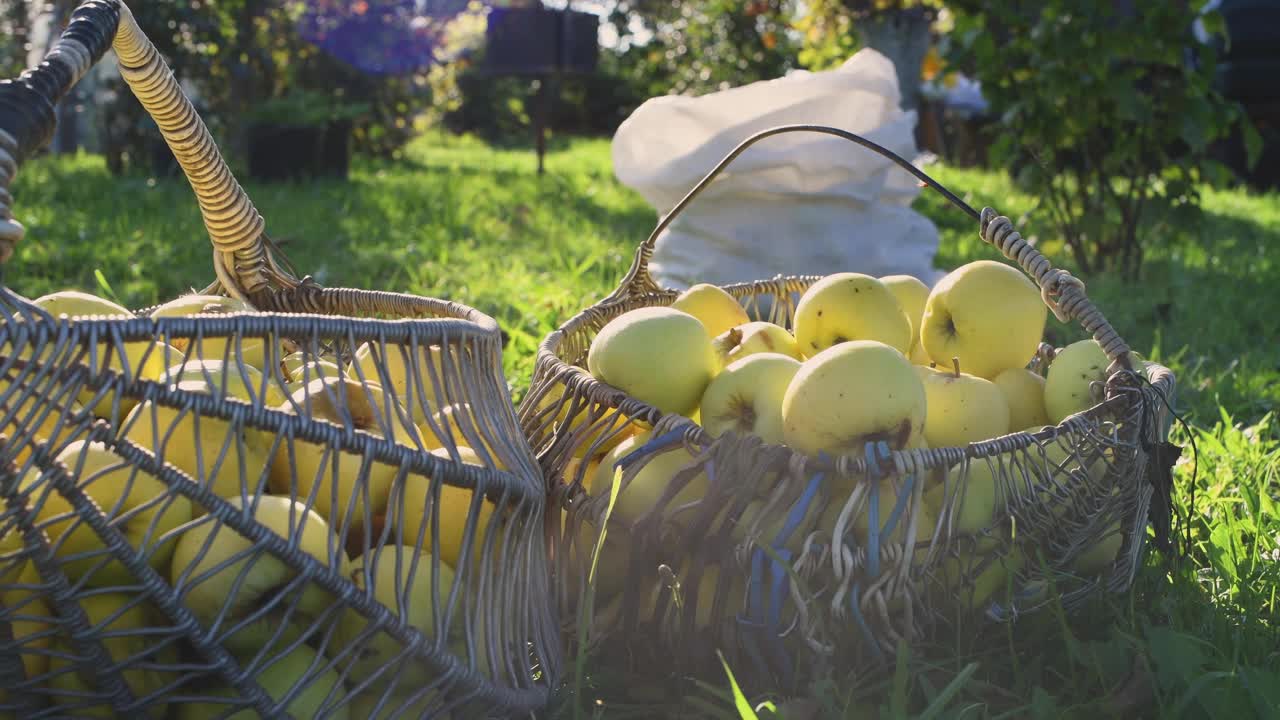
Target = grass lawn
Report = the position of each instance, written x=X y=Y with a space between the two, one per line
x=459 y=220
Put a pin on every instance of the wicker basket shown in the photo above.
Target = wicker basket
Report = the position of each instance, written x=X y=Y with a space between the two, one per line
x=785 y=596
x=290 y=523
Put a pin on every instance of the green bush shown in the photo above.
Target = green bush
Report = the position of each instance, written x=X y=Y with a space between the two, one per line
x=1105 y=115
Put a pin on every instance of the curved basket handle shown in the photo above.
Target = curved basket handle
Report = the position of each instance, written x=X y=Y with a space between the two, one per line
x=27 y=103
x=1062 y=292
x=243 y=259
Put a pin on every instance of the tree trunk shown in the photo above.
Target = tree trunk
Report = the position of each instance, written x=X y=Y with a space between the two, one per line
x=903 y=37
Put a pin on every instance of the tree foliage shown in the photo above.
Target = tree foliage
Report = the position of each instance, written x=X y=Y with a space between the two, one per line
x=1105 y=113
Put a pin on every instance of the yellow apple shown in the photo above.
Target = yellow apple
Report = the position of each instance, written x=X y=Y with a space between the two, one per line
x=146 y=360
x=746 y=397
x=299 y=369
x=912 y=294
x=852 y=394
x=309 y=468
x=1069 y=382
x=418 y=384
x=716 y=309
x=919 y=356
x=402 y=582
x=962 y=408
x=1024 y=392
x=451 y=509
x=459 y=425
x=126 y=625
x=658 y=355
x=850 y=306
x=279 y=674
x=210 y=559
x=39 y=420
x=243 y=382
x=645 y=489
x=986 y=313
x=251 y=350
x=205 y=447
x=755 y=337
x=141 y=507
x=31 y=619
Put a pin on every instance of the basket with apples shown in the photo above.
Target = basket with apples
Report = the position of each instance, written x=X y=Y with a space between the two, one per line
x=810 y=471
x=268 y=497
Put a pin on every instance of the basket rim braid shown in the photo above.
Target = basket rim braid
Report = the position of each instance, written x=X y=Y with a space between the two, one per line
x=1132 y=408
x=66 y=360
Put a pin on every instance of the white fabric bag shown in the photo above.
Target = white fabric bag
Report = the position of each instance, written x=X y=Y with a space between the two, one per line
x=792 y=204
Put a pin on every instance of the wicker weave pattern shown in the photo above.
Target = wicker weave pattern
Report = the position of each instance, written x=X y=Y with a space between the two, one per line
x=835 y=594
x=404 y=574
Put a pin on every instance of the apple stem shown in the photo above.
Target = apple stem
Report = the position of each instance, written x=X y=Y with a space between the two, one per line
x=933 y=365
x=955 y=363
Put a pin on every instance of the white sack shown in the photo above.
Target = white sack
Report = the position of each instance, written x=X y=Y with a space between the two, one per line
x=792 y=204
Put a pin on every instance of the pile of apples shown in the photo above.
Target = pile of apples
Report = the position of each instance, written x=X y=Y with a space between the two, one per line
x=289 y=490
x=867 y=359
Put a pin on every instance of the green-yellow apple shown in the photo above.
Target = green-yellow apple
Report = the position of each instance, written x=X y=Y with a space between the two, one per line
x=755 y=337
x=888 y=491
x=210 y=560
x=962 y=408
x=251 y=350
x=650 y=481
x=207 y=448
x=658 y=355
x=708 y=584
x=407 y=592
x=146 y=360
x=452 y=511
x=1068 y=387
x=716 y=309
x=1102 y=555
x=458 y=423
x=417 y=383
x=607 y=427
x=979 y=574
x=278 y=675
x=912 y=294
x=852 y=394
x=850 y=306
x=396 y=707
x=919 y=356
x=1024 y=392
x=746 y=397
x=309 y=468
x=139 y=505
x=125 y=623
x=986 y=313
x=973 y=506
x=613 y=561
x=765 y=529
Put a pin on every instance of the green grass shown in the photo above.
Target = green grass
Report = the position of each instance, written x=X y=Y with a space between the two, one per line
x=463 y=221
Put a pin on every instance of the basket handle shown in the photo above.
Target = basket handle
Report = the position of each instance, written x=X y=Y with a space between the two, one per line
x=244 y=259
x=1062 y=292
x=27 y=103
